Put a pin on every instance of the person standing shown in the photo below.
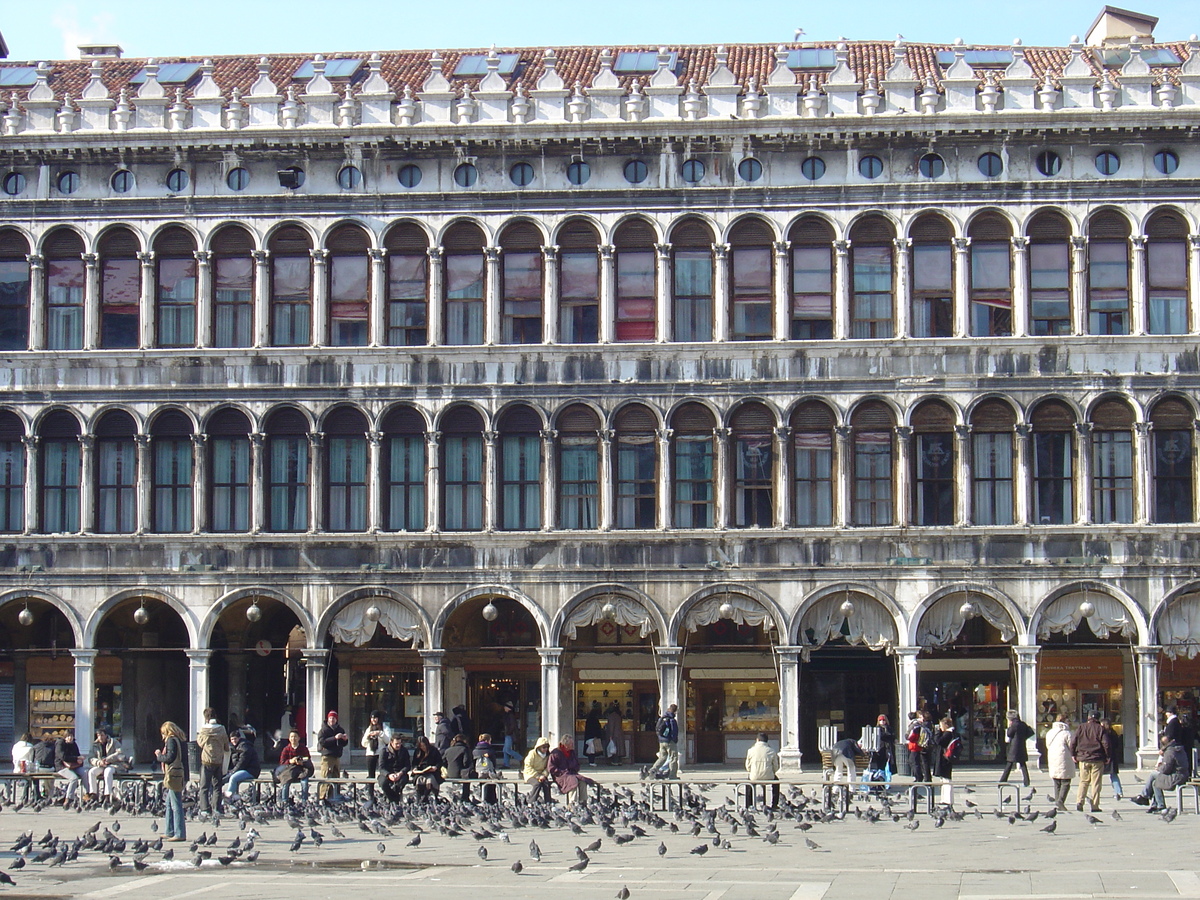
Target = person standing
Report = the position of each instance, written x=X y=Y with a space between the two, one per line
x=1118 y=756
x=460 y=723
x=394 y=763
x=442 y=732
x=1091 y=750
x=173 y=757
x=103 y=762
x=1018 y=750
x=946 y=749
x=512 y=729
x=213 y=740
x=666 y=764
x=331 y=743
x=375 y=740
x=883 y=757
x=919 y=739
x=593 y=734
x=1058 y=760
x=614 y=735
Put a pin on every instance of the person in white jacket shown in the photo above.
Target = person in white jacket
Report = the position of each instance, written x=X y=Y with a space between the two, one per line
x=1059 y=761
x=375 y=740
x=762 y=764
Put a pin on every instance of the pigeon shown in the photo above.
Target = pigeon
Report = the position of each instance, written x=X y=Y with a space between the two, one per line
x=415 y=842
x=623 y=893
x=1049 y=829
x=811 y=844
x=18 y=863
x=517 y=867
x=579 y=866
x=913 y=825
x=580 y=853
x=1116 y=816
x=114 y=862
x=169 y=855
x=535 y=851
x=1090 y=819
x=700 y=851
x=139 y=865
x=482 y=851
x=593 y=846
x=662 y=849
x=225 y=860
x=5 y=878
x=381 y=847
x=252 y=856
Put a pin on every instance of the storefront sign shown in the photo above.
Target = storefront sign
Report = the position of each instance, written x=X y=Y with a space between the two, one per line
x=624 y=673
x=1080 y=667
x=1179 y=672
x=733 y=674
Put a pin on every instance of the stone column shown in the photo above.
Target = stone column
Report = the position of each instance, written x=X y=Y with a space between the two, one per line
x=549 y=479
x=436 y=314
x=147 y=302
x=315 y=665
x=85 y=696
x=200 y=512
x=198 y=662
x=1143 y=460
x=903 y=473
x=1079 y=317
x=1022 y=474
x=1147 y=732
x=204 y=298
x=1139 y=318
x=843 y=474
x=491 y=296
x=1020 y=285
x=962 y=474
x=550 y=295
x=841 y=290
x=665 y=296
x=491 y=481
x=143 y=520
x=783 y=476
x=87 y=483
x=962 y=286
x=319 y=332
x=433 y=480
x=431 y=665
x=608 y=293
x=377 y=305
x=316 y=482
x=37 y=301
x=907 y=691
x=91 y=301
x=669 y=690
x=258 y=483
x=665 y=519
x=262 y=297
x=723 y=481
x=33 y=489
x=722 y=301
x=374 y=496
x=901 y=313
x=782 y=285
x=551 y=658
x=607 y=480
x=1027 y=656
x=1083 y=481
x=789 y=708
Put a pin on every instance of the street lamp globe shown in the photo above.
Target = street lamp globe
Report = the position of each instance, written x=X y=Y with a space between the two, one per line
x=490 y=613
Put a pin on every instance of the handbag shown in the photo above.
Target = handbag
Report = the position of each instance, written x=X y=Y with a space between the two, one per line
x=593 y=746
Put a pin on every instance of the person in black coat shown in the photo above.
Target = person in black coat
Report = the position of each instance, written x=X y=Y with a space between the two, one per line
x=1018 y=751
x=459 y=762
x=593 y=731
x=331 y=742
x=943 y=765
x=883 y=757
x=244 y=762
x=426 y=769
x=460 y=723
x=394 y=763
x=443 y=731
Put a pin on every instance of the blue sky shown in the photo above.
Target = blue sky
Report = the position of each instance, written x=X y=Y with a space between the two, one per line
x=53 y=28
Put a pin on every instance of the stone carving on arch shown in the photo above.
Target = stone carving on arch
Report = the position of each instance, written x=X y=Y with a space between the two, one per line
x=632 y=608
x=750 y=607
x=939 y=620
x=346 y=619
x=1116 y=613
x=1175 y=625
x=16 y=595
x=209 y=624
x=169 y=600
x=875 y=623
x=490 y=590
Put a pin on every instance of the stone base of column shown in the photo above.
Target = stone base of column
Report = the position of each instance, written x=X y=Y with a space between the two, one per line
x=789 y=761
x=1035 y=759
x=1147 y=759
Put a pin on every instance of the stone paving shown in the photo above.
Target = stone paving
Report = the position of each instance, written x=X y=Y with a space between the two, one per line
x=1138 y=855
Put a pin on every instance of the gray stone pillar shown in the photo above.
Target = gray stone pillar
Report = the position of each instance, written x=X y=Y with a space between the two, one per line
x=962 y=286
x=1020 y=286
x=491 y=296
x=85 y=696
x=1027 y=693
x=262 y=298
x=200 y=486
x=1139 y=318
x=1147 y=730
x=722 y=303
x=148 y=302
x=666 y=296
x=315 y=663
x=1079 y=280
x=901 y=311
x=37 y=301
x=87 y=483
x=204 y=298
x=33 y=490
x=789 y=708
x=841 y=290
x=436 y=314
x=91 y=301
x=198 y=663
x=608 y=294
x=377 y=306
x=551 y=660
x=551 y=298
x=782 y=290
x=319 y=282
x=663 y=442
x=431 y=664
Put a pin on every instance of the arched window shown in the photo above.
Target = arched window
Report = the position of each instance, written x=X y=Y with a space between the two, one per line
x=291 y=287
x=992 y=426
x=812 y=280
x=1108 y=274
x=637 y=468
x=1167 y=274
x=175 y=304
x=991 y=276
x=120 y=289
x=1112 y=462
x=812 y=468
x=1053 y=463
x=172 y=473
x=932 y=278
x=346 y=470
x=872 y=286
x=873 y=428
x=408 y=286
x=462 y=470
x=1050 y=274
x=1173 y=424
x=116 y=474
x=404 y=470
x=229 y=470
x=466 y=277
x=692 y=280
x=635 y=293
x=14 y=291
x=349 y=287
x=287 y=471
x=753 y=428
x=233 y=287
x=693 y=451
x=520 y=470
x=933 y=464
x=65 y=279
x=751 y=281
x=60 y=461
x=578 y=468
x=522 y=285
x=579 y=284
x=12 y=473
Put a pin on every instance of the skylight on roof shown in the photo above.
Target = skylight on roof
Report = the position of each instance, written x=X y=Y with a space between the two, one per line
x=1154 y=56
x=18 y=76
x=977 y=57
x=811 y=58
x=170 y=73
x=641 y=62
x=334 y=69
x=476 y=64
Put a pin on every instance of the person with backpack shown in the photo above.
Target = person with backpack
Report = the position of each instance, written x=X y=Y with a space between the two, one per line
x=1018 y=751
x=920 y=737
x=948 y=746
x=666 y=764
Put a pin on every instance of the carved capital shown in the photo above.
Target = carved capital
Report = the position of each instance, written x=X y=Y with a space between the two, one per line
x=493 y=254
x=550 y=253
x=781 y=248
x=319 y=256
x=1020 y=243
x=377 y=254
x=961 y=244
x=35 y=260
x=91 y=260
x=720 y=251
x=261 y=257
x=607 y=250
x=904 y=432
x=435 y=254
x=203 y=257
x=146 y=258
x=841 y=248
x=375 y=438
x=663 y=250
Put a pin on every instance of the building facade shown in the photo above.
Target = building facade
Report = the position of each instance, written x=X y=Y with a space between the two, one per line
x=792 y=385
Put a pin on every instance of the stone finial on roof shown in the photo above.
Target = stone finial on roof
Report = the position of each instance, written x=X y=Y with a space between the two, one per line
x=781 y=74
x=1077 y=66
x=66 y=115
x=989 y=94
x=871 y=98
x=1136 y=64
x=375 y=82
x=493 y=81
x=929 y=96
x=721 y=76
x=693 y=102
x=1191 y=65
x=1019 y=67
x=521 y=107
x=318 y=85
x=41 y=88
x=263 y=85
x=577 y=106
x=605 y=79
x=235 y=115
x=178 y=111
x=635 y=103
x=960 y=69
x=12 y=117
x=1048 y=92
x=663 y=76
x=123 y=114
x=95 y=89
x=1107 y=93
x=347 y=108
x=375 y=97
x=752 y=102
x=899 y=70
x=406 y=109
x=290 y=109
x=436 y=82
x=151 y=89
x=842 y=73
x=206 y=88
x=550 y=80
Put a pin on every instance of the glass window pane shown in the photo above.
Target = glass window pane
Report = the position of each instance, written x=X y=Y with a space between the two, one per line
x=932 y=267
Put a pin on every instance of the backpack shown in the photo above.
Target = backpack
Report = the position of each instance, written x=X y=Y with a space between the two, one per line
x=953 y=750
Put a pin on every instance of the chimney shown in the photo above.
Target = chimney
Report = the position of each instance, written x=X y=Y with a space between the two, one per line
x=1116 y=26
x=100 y=51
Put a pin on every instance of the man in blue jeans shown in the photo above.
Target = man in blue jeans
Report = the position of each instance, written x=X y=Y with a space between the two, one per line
x=666 y=764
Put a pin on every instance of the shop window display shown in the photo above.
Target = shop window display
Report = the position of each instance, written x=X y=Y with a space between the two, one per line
x=398 y=695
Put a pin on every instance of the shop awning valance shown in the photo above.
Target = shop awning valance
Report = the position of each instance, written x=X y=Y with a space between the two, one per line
x=351 y=625
x=627 y=613
x=870 y=624
x=1179 y=628
x=745 y=612
x=1062 y=616
x=944 y=621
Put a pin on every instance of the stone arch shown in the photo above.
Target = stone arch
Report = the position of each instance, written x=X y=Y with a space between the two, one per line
x=899 y=620
x=1094 y=589
x=1160 y=611
x=366 y=593
x=101 y=612
x=712 y=595
x=1015 y=616
x=657 y=619
x=490 y=590
x=78 y=629
x=209 y=623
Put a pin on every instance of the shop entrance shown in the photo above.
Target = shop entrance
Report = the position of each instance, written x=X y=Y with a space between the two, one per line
x=976 y=704
x=726 y=715
x=847 y=688
x=487 y=692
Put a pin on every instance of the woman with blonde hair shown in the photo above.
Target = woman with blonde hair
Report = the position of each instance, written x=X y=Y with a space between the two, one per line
x=173 y=757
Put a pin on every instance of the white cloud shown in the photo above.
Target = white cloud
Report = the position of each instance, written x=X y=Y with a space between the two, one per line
x=76 y=30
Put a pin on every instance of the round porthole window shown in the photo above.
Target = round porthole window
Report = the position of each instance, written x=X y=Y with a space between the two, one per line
x=870 y=167
x=692 y=171
x=812 y=168
x=931 y=166
x=521 y=174
x=466 y=175
x=990 y=165
x=68 y=182
x=1166 y=162
x=237 y=179
x=177 y=180
x=410 y=176
x=122 y=181
x=14 y=183
x=349 y=178
x=578 y=172
x=750 y=169
x=1107 y=162
x=636 y=171
x=1048 y=163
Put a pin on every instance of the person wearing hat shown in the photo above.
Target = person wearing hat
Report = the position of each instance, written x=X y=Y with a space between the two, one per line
x=511 y=726
x=883 y=757
x=1091 y=750
x=1018 y=751
x=533 y=771
x=331 y=742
